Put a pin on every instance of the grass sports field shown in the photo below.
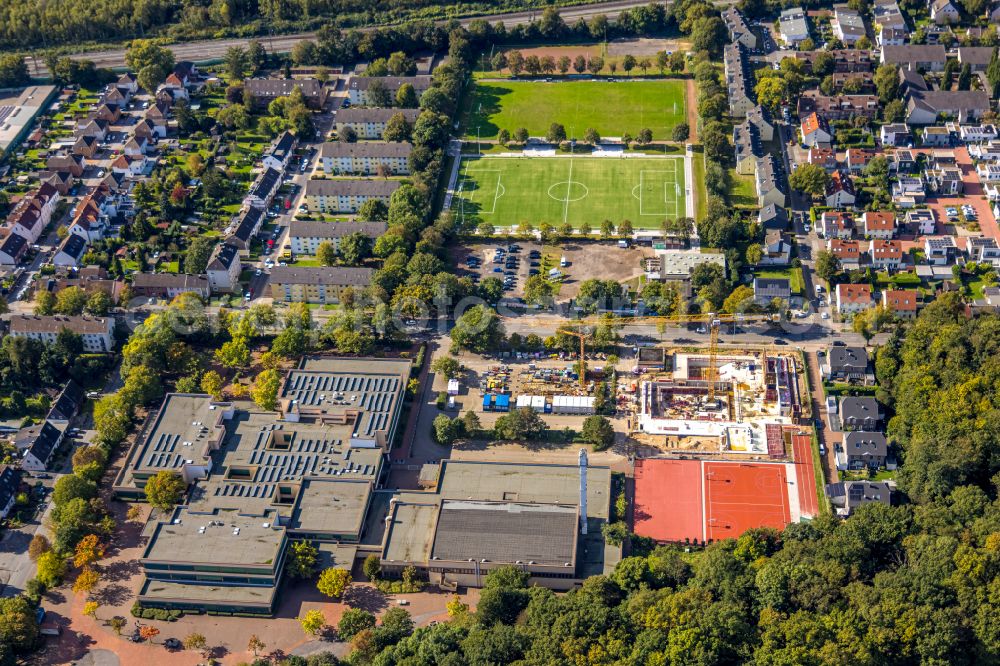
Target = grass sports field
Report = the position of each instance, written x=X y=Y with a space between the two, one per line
x=611 y=108
x=506 y=191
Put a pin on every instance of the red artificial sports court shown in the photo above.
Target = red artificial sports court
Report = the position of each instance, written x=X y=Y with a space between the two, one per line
x=698 y=501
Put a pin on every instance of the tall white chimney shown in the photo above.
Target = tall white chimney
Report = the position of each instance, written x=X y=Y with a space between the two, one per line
x=583 y=491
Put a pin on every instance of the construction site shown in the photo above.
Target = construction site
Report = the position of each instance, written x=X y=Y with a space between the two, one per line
x=719 y=404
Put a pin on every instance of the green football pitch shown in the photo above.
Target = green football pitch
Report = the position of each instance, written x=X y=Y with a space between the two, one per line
x=508 y=191
x=611 y=108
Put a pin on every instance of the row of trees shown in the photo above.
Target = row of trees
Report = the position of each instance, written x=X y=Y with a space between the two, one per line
x=516 y=62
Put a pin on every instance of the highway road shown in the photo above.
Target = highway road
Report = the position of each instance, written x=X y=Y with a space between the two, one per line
x=214 y=49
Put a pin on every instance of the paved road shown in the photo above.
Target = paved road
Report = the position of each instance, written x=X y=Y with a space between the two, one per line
x=214 y=49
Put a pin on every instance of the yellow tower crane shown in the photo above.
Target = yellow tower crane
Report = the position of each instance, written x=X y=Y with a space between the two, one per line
x=714 y=321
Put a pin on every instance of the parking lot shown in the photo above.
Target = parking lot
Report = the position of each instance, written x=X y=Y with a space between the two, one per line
x=575 y=262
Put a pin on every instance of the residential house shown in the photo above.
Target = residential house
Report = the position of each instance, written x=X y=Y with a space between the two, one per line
x=793 y=26
x=263 y=189
x=365 y=158
x=816 y=131
x=135 y=147
x=936 y=136
x=175 y=85
x=40 y=442
x=358 y=89
x=168 y=285
x=347 y=196
x=33 y=212
x=838 y=107
x=860 y=413
x=770 y=182
x=862 y=450
x=738 y=29
x=62 y=181
x=96 y=333
x=925 y=107
x=856 y=82
x=908 y=192
x=845 y=61
x=902 y=303
x=12 y=249
x=280 y=152
x=847 y=25
x=837 y=224
x=840 y=190
x=96 y=128
x=881 y=225
x=940 y=250
x=848 y=364
x=987 y=172
x=983 y=249
x=887 y=255
x=265 y=91
x=902 y=161
x=158 y=113
x=848 y=496
x=976 y=57
x=895 y=134
x=885 y=36
x=852 y=298
x=886 y=14
x=739 y=80
x=945 y=12
x=766 y=290
x=772 y=217
x=223 y=270
x=244 y=229
x=127 y=165
x=65 y=162
x=924 y=57
x=316 y=284
x=777 y=250
x=107 y=112
x=10 y=484
x=370 y=122
x=921 y=221
x=305 y=236
x=760 y=118
x=974 y=133
x=92 y=216
x=858 y=159
x=823 y=156
x=70 y=252
x=944 y=181
x=149 y=130
x=747 y=147
x=67 y=405
x=86 y=146
x=128 y=83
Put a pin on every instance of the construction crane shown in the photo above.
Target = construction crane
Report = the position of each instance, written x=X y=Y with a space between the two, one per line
x=714 y=321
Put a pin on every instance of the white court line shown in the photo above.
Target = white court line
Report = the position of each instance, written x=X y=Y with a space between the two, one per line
x=704 y=501
x=666 y=181
x=569 y=185
x=496 y=194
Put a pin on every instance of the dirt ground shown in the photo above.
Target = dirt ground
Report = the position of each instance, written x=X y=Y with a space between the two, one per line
x=615 y=48
x=646 y=47
x=586 y=260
